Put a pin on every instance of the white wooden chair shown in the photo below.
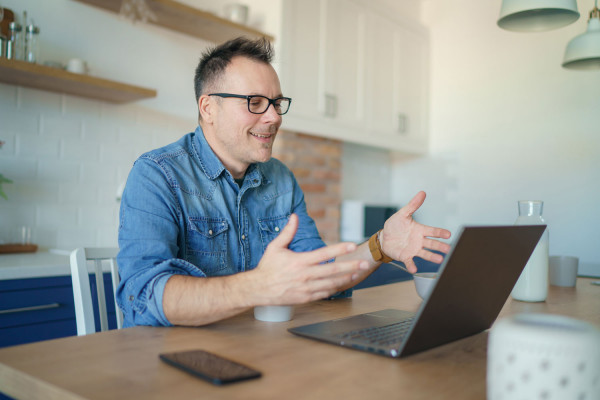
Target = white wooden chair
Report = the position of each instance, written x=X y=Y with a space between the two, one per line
x=84 y=311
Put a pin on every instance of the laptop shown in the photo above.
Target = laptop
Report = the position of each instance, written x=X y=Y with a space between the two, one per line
x=473 y=283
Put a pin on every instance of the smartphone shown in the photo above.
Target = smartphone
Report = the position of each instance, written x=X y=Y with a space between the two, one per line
x=211 y=367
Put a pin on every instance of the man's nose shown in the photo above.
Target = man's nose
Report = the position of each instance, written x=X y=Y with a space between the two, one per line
x=271 y=115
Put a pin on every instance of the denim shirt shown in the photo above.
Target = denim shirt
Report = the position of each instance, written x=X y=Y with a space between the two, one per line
x=183 y=213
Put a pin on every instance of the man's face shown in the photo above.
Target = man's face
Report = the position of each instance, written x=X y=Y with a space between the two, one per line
x=238 y=137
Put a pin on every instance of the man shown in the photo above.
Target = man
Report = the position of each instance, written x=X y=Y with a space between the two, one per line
x=211 y=225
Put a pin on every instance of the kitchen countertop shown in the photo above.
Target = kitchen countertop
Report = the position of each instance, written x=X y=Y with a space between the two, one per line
x=54 y=262
x=41 y=264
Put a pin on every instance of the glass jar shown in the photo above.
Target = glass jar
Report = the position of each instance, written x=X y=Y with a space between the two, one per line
x=533 y=282
x=14 y=46
x=2 y=46
x=31 y=53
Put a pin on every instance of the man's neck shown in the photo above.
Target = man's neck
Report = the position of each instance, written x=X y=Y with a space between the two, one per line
x=237 y=171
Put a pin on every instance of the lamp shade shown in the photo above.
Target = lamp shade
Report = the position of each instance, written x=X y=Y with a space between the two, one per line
x=537 y=15
x=583 y=51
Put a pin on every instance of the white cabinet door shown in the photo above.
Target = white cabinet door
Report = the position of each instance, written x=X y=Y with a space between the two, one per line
x=344 y=63
x=300 y=66
x=354 y=74
x=397 y=77
x=411 y=85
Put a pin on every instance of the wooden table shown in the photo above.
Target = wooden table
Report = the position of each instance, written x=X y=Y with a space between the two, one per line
x=125 y=365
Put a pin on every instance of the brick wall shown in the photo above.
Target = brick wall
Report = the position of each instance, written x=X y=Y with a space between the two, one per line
x=316 y=163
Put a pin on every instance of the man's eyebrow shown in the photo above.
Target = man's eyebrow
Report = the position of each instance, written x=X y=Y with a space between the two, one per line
x=260 y=94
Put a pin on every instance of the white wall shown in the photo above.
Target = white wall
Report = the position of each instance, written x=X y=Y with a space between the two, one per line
x=68 y=156
x=508 y=123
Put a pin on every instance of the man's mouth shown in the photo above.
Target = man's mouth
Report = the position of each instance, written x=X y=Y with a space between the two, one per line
x=261 y=136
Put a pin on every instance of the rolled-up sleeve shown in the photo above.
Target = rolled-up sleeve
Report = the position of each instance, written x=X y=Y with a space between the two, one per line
x=148 y=233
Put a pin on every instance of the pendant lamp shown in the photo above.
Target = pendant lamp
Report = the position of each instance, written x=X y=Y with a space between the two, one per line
x=537 y=15
x=583 y=51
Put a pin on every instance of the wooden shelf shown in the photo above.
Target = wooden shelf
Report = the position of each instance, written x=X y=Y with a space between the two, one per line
x=188 y=20
x=57 y=80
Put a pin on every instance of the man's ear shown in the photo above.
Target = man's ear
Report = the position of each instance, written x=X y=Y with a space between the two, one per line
x=205 y=107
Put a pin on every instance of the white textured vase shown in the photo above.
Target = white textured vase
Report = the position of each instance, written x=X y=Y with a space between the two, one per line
x=543 y=356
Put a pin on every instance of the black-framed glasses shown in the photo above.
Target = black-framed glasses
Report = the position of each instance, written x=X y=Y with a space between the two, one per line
x=258 y=104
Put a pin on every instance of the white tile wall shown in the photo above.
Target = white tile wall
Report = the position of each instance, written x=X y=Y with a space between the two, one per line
x=67 y=157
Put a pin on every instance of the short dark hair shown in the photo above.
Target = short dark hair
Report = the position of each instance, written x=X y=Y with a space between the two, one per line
x=215 y=60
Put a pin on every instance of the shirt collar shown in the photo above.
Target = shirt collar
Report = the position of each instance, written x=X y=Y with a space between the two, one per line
x=213 y=167
x=210 y=163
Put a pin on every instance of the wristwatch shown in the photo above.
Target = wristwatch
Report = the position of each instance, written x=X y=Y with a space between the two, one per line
x=376 y=251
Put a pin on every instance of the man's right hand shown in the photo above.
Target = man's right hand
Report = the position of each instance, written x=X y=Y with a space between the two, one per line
x=285 y=277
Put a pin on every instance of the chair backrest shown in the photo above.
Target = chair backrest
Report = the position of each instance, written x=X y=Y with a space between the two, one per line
x=84 y=311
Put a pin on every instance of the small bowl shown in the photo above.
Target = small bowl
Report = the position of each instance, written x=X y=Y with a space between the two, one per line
x=424 y=282
x=274 y=313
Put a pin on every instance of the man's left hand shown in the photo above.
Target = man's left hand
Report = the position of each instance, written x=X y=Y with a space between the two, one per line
x=402 y=238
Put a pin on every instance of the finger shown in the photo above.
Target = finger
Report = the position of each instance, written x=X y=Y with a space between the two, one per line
x=337 y=268
x=414 y=204
x=287 y=234
x=436 y=245
x=328 y=252
x=323 y=288
x=429 y=256
x=437 y=232
x=410 y=265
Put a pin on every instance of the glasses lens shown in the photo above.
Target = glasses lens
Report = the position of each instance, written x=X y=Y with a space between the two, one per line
x=282 y=106
x=260 y=104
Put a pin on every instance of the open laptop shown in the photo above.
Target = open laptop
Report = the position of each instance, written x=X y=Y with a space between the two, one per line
x=473 y=284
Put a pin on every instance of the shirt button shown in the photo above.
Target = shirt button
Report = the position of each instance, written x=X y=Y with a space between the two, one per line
x=210 y=231
x=276 y=229
x=131 y=298
x=243 y=237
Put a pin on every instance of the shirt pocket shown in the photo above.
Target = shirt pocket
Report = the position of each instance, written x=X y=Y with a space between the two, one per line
x=206 y=243
x=270 y=227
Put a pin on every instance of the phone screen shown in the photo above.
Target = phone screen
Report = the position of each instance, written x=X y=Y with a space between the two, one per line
x=209 y=366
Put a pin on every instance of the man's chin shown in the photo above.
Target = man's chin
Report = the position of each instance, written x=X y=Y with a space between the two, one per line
x=265 y=155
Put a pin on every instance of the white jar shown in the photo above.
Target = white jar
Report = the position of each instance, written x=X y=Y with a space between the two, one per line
x=533 y=282
x=543 y=356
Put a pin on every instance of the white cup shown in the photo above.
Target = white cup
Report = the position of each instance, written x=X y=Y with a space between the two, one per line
x=237 y=13
x=563 y=270
x=273 y=313
x=77 y=66
x=424 y=282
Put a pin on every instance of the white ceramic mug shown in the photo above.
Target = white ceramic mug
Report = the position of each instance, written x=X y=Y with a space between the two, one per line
x=237 y=13
x=424 y=283
x=77 y=66
x=563 y=270
x=274 y=313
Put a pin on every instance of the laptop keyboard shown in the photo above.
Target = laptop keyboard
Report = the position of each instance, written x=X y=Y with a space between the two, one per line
x=381 y=335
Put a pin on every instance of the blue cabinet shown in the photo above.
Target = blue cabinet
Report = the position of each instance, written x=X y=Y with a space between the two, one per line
x=387 y=273
x=37 y=309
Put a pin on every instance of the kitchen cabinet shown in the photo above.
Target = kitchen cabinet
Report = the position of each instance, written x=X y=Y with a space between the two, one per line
x=355 y=74
x=38 y=76
x=344 y=60
x=35 y=309
x=397 y=85
x=191 y=21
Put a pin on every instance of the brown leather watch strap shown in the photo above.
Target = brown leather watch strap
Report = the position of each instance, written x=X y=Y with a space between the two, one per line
x=375 y=248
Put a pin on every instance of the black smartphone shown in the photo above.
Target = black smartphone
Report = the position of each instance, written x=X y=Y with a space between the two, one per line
x=211 y=367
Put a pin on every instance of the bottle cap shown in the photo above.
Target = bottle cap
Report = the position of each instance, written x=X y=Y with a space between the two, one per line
x=32 y=29
x=14 y=26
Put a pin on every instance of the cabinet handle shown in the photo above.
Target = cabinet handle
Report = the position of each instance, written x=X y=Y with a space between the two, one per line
x=32 y=308
x=330 y=105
